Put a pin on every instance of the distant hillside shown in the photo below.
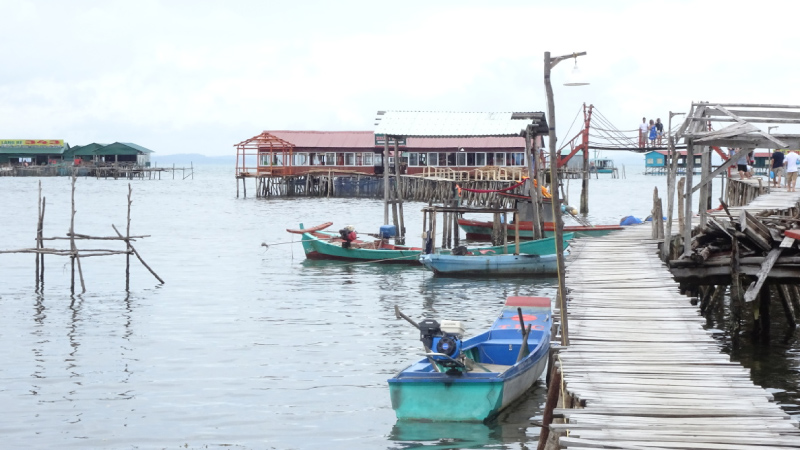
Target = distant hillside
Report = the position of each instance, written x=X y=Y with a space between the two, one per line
x=184 y=159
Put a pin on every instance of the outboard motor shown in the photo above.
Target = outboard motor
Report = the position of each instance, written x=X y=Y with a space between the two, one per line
x=348 y=235
x=444 y=339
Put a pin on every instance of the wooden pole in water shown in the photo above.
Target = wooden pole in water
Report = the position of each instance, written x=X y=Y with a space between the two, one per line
x=737 y=294
x=39 y=234
x=553 y=391
x=385 y=179
x=557 y=222
x=536 y=203
x=681 y=200
x=128 y=243
x=672 y=173
x=456 y=238
x=705 y=170
x=788 y=308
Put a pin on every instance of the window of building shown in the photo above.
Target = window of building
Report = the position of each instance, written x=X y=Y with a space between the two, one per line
x=451 y=159
x=461 y=159
x=413 y=159
x=368 y=159
x=480 y=159
x=300 y=159
x=499 y=159
x=330 y=159
x=349 y=159
x=442 y=159
x=433 y=159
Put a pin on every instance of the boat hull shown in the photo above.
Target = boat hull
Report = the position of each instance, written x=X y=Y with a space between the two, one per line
x=419 y=393
x=322 y=245
x=316 y=248
x=483 y=265
x=477 y=229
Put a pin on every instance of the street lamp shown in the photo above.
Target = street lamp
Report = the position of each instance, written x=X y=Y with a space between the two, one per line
x=558 y=224
x=769 y=129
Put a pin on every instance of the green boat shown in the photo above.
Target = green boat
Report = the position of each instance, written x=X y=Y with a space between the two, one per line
x=319 y=244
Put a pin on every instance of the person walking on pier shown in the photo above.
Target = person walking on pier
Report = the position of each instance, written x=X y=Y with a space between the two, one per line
x=777 y=167
x=643 y=130
x=790 y=161
x=659 y=131
x=741 y=164
x=653 y=133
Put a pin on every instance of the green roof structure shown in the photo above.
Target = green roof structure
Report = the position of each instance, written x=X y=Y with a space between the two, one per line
x=122 y=148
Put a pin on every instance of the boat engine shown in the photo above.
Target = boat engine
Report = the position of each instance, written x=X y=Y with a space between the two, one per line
x=444 y=338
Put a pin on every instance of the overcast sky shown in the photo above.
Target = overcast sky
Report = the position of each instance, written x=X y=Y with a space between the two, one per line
x=200 y=76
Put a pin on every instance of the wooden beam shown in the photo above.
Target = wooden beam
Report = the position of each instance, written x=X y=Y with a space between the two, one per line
x=766 y=267
x=748 y=105
x=747 y=115
x=768 y=136
x=753 y=232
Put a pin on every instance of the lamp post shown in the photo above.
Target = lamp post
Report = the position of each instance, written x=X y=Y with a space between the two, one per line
x=558 y=224
x=671 y=175
x=769 y=129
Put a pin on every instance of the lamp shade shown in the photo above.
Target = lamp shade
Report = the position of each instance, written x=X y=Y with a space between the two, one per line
x=576 y=77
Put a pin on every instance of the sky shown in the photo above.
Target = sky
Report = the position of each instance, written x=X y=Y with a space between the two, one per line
x=200 y=76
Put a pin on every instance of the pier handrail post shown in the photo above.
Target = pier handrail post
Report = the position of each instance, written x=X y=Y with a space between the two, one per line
x=558 y=225
x=672 y=173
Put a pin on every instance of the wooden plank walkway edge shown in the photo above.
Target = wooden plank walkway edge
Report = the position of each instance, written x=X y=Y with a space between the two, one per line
x=641 y=372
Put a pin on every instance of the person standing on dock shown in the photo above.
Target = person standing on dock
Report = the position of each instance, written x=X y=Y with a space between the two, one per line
x=777 y=167
x=659 y=131
x=643 y=130
x=741 y=164
x=653 y=133
x=790 y=161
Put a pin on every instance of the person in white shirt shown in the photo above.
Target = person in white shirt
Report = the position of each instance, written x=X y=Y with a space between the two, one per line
x=790 y=161
x=643 y=131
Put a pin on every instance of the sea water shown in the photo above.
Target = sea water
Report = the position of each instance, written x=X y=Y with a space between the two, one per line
x=247 y=344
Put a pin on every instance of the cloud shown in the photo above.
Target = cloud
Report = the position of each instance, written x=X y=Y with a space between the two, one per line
x=205 y=75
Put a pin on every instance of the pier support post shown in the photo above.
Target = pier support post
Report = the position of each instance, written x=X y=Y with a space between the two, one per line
x=687 y=225
x=785 y=295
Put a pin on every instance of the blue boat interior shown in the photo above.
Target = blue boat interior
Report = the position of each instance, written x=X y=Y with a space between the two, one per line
x=498 y=349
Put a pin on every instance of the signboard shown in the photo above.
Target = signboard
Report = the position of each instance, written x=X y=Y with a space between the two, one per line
x=31 y=142
x=379 y=138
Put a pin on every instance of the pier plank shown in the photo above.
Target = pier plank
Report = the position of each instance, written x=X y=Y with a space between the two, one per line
x=643 y=368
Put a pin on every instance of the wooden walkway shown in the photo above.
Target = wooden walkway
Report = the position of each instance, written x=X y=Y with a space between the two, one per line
x=778 y=198
x=645 y=372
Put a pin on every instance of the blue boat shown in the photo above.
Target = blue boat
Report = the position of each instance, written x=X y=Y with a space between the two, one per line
x=543 y=262
x=490 y=265
x=473 y=380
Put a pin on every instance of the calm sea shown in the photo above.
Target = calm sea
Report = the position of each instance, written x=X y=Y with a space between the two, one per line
x=249 y=346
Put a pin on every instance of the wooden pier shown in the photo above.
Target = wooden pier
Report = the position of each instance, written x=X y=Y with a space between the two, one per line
x=640 y=372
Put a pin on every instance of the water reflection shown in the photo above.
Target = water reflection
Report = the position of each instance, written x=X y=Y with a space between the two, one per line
x=514 y=426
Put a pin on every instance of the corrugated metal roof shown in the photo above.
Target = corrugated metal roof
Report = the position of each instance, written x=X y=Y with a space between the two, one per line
x=366 y=140
x=31 y=150
x=137 y=147
x=327 y=139
x=452 y=124
x=466 y=142
x=120 y=148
